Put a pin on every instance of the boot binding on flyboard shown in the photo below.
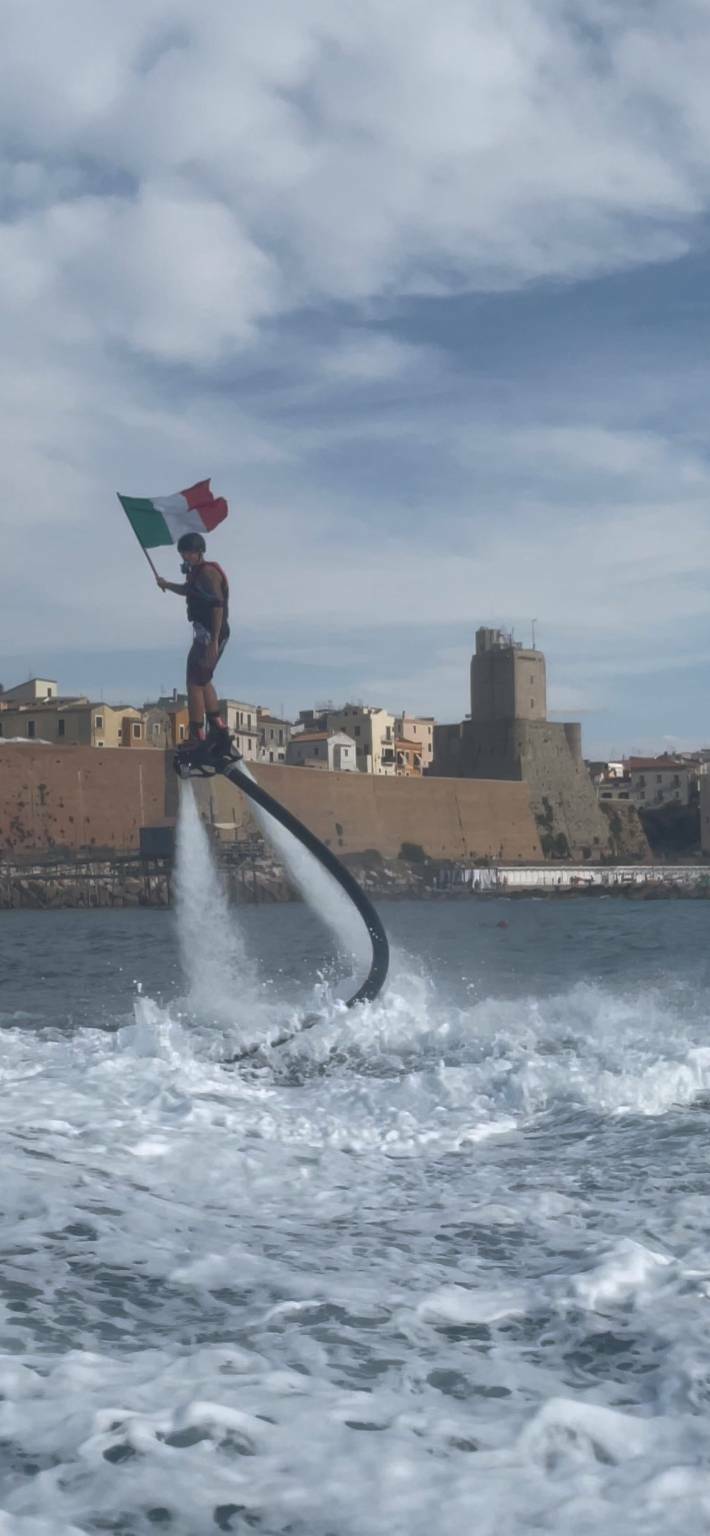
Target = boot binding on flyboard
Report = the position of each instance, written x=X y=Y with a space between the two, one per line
x=202 y=759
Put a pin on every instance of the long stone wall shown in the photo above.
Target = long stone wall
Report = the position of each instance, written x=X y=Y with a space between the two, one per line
x=351 y=812
x=78 y=798
x=84 y=799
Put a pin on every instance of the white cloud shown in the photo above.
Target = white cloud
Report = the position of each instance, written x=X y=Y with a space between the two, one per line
x=269 y=156
x=181 y=183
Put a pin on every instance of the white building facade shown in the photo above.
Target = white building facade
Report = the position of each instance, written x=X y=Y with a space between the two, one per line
x=242 y=720
x=373 y=733
x=332 y=751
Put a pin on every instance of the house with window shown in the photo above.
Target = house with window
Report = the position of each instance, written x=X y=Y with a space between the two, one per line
x=408 y=758
x=74 y=723
x=373 y=731
x=274 y=736
x=333 y=751
x=165 y=727
x=657 y=781
x=420 y=730
x=34 y=691
x=243 y=722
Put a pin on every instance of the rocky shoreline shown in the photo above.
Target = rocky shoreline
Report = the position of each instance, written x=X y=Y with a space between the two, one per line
x=253 y=876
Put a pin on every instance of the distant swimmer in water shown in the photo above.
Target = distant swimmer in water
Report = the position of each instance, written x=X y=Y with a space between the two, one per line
x=207 y=591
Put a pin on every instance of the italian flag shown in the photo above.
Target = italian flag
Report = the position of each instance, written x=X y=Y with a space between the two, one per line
x=159 y=520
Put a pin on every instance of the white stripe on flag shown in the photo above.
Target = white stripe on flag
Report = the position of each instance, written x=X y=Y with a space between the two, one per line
x=182 y=520
x=164 y=504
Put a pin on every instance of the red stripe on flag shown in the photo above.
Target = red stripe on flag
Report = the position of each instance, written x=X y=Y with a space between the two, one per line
x=198 y=494
x=211 y=509
x=213 y=513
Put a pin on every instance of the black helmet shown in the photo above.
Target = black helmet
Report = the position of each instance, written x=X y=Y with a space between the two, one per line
x=191 y=544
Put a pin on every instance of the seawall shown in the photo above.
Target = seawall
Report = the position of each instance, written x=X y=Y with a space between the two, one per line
x=78 y=799
x=82 y=799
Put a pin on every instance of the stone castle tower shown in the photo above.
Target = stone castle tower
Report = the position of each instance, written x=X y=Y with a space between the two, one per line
x=507 y=682
x=508 y=736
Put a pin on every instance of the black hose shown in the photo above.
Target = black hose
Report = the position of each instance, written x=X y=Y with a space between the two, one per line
x=375 y=981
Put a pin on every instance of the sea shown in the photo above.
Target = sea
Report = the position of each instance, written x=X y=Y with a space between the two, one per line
x=438 y=1266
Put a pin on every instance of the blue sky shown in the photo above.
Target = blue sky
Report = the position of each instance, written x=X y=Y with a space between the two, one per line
x=424 y=289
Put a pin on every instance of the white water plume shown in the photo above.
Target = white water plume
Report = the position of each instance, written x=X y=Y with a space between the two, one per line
x=214 y=959
x=317 y=887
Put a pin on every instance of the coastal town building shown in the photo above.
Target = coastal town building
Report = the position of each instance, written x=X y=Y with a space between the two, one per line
x=419 y=729
x=74 y=722
x=393 y=745
x=274 y=736
x=333 y=751
x=613 y=787
x=408 y=758
x=647 y=782
x=315 y=719
x=243 y=722
x=33 y=691
x=373 y=731
x=658 y=781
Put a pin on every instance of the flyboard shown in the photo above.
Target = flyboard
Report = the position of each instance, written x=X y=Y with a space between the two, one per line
x=204 y=761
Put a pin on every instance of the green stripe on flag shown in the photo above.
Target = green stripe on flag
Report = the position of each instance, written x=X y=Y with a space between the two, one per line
x=147 y=522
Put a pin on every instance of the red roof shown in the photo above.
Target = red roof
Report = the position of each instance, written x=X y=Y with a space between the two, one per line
x=648 y=764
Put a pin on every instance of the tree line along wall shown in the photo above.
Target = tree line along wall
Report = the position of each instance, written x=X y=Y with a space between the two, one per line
x=81 y=799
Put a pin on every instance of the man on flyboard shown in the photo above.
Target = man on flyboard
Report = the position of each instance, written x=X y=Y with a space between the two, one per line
x=207 y=591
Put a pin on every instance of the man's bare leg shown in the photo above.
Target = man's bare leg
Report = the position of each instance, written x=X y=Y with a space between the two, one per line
x=211 y=702
x=217 y=733
x=196 y=709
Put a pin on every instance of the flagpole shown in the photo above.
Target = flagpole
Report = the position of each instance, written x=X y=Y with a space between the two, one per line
x=141 y=546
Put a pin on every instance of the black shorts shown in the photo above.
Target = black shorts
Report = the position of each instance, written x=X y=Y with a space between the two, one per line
x=199 y=671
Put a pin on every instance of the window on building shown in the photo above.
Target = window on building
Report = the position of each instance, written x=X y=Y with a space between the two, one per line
x=271 y=757
x=61 y=727
x=315 y=751
x=137 y=729
x=99 y=743
x=532 y=703
x=281 y=738
x=181 y=733
x=98 y=722
x=31 y=728
x=357 y=730
x=659 y=778
x=643 y=794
